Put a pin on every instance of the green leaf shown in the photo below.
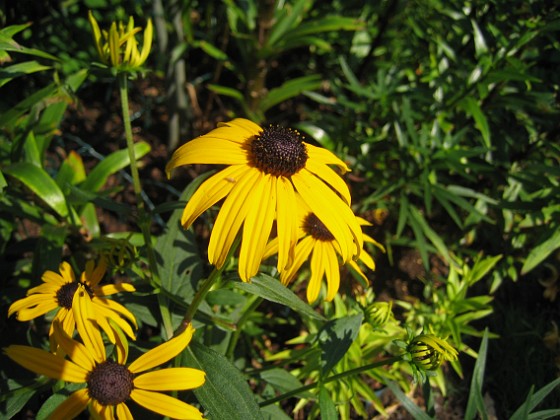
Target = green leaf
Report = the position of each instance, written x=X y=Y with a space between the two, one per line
x=476 y=400
x=287 y=19
x=335 y=339
x=212 y=50
x=271 y=289
x=480 y=46
x=481 y=268
x=290 y=89
x=283 y=381
x=407 y=403
x=326 y=405
x=40 y=182
x=71 y=172
x=113 y=163
x=225 y=394
x=472 y=108
x=25 y=105
x=317 y=133
x=540 y=252
x=9 y=73
x=227 y=91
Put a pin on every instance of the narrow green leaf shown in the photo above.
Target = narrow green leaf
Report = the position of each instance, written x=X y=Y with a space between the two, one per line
x=540 y=252
x=335 y=338
x=326 y=405
x=472 y=108
x=481 y=268
x=25 y=105
x=113 y=163
x=212 y=50
x=271 y=289
x=317 y=133
x=283 y=381
x=225 y=394
x=290 y=89
x=434 y=238
x=407 y=403
x=71 y=172
x=287 y=19
x=226 y=91
x=40 y=182
x=9 y=73
x=475 y=393
x=480 y=46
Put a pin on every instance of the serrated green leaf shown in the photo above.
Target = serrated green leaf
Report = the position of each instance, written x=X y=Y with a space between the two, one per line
x=113 y=163
x=271 y=289
x=225 y=394
x=40 y=182
x=335 y=338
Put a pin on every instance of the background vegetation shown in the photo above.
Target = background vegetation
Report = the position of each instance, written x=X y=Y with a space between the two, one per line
x=447 y=113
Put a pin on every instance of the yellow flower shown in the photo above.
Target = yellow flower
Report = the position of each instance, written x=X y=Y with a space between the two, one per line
x=109 y=384
x=316 y=240
x=118 y=47
x=267 y=169
x=62 y=290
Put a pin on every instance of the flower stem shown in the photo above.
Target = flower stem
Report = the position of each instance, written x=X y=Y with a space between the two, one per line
x=254 y=302
x=336 y=377
x=143 y=219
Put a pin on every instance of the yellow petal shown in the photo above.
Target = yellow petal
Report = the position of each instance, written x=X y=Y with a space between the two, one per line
x=82 y=309
x=147 y=43
x=94 y=273
x=28 y=314
x=110 y=306
x=231 y=216
x=332 y=270
x=302 y=251
x=245 y=127
x=123 y=413
x=210 y=192
x=358 y=270
x=45 y=363
x=45 y=289
x=325 y=156
x=39 y=303
x=110 y=289
x=66 y=272
x=75 y=350
x=330 y=177
x=172 y=379
x=162 y=353
x=72 y=406
x=207 y=149
x=114 y=49
x=257 y=225
x=165 y=405
x=286 y=222
x=96 y=34
x=317 y=264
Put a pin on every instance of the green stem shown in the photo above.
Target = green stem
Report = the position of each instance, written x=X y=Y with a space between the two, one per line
x=336 y=377
x=254 y=302
x=143 y=219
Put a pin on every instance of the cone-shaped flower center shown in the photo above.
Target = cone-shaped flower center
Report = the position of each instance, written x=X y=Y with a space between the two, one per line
x=110 y=383
x=65 y=294
x=314 y=227
x=278 y=151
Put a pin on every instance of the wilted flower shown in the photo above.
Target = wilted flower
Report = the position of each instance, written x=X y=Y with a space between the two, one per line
x=118 y=47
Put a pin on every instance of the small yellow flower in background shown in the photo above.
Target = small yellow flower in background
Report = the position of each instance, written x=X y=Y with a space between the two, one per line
x=428 y=351
x=63 y=292
x=316 y=240
x=110 y=383
x=118 y=47
x=267 y=169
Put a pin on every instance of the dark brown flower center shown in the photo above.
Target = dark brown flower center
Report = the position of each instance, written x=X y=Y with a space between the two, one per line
x=66 y=293
x=314 y=227
x=278 y=151
x=110 y=383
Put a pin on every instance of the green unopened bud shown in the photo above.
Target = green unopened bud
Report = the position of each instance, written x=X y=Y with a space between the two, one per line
x=378 y=314
x=119 y=253
x=428 y=351
x=118 y=47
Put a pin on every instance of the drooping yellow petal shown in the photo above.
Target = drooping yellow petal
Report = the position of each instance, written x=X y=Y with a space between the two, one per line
x=147 y=43
x=332 y=270
x=358 y=270
x=179 y=379
x=231 y=216
x=325 y=156
x=28 y=314
x=39 y=304
x=93 y=273
x=210 y=192
x=65 y=271
x=74 y=349
x=123 y=413
x=163 y=353
x=86 y=324
x=111 y=306
x=72 y=406
x=317 y=271
x=165 y=405
x=207 y=149
x=303 y=249
x=286 y=223
x=258 y=223
x=45 y=363
x=330 y=177
x=45 y=289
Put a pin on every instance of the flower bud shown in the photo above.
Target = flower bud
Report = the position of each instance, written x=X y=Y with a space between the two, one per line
x=428 y=351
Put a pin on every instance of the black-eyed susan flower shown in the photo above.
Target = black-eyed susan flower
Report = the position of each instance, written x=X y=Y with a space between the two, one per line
x=118 y=47
x=110 y=384
x=57 y=292
x=317 y=242
x=267 y=169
